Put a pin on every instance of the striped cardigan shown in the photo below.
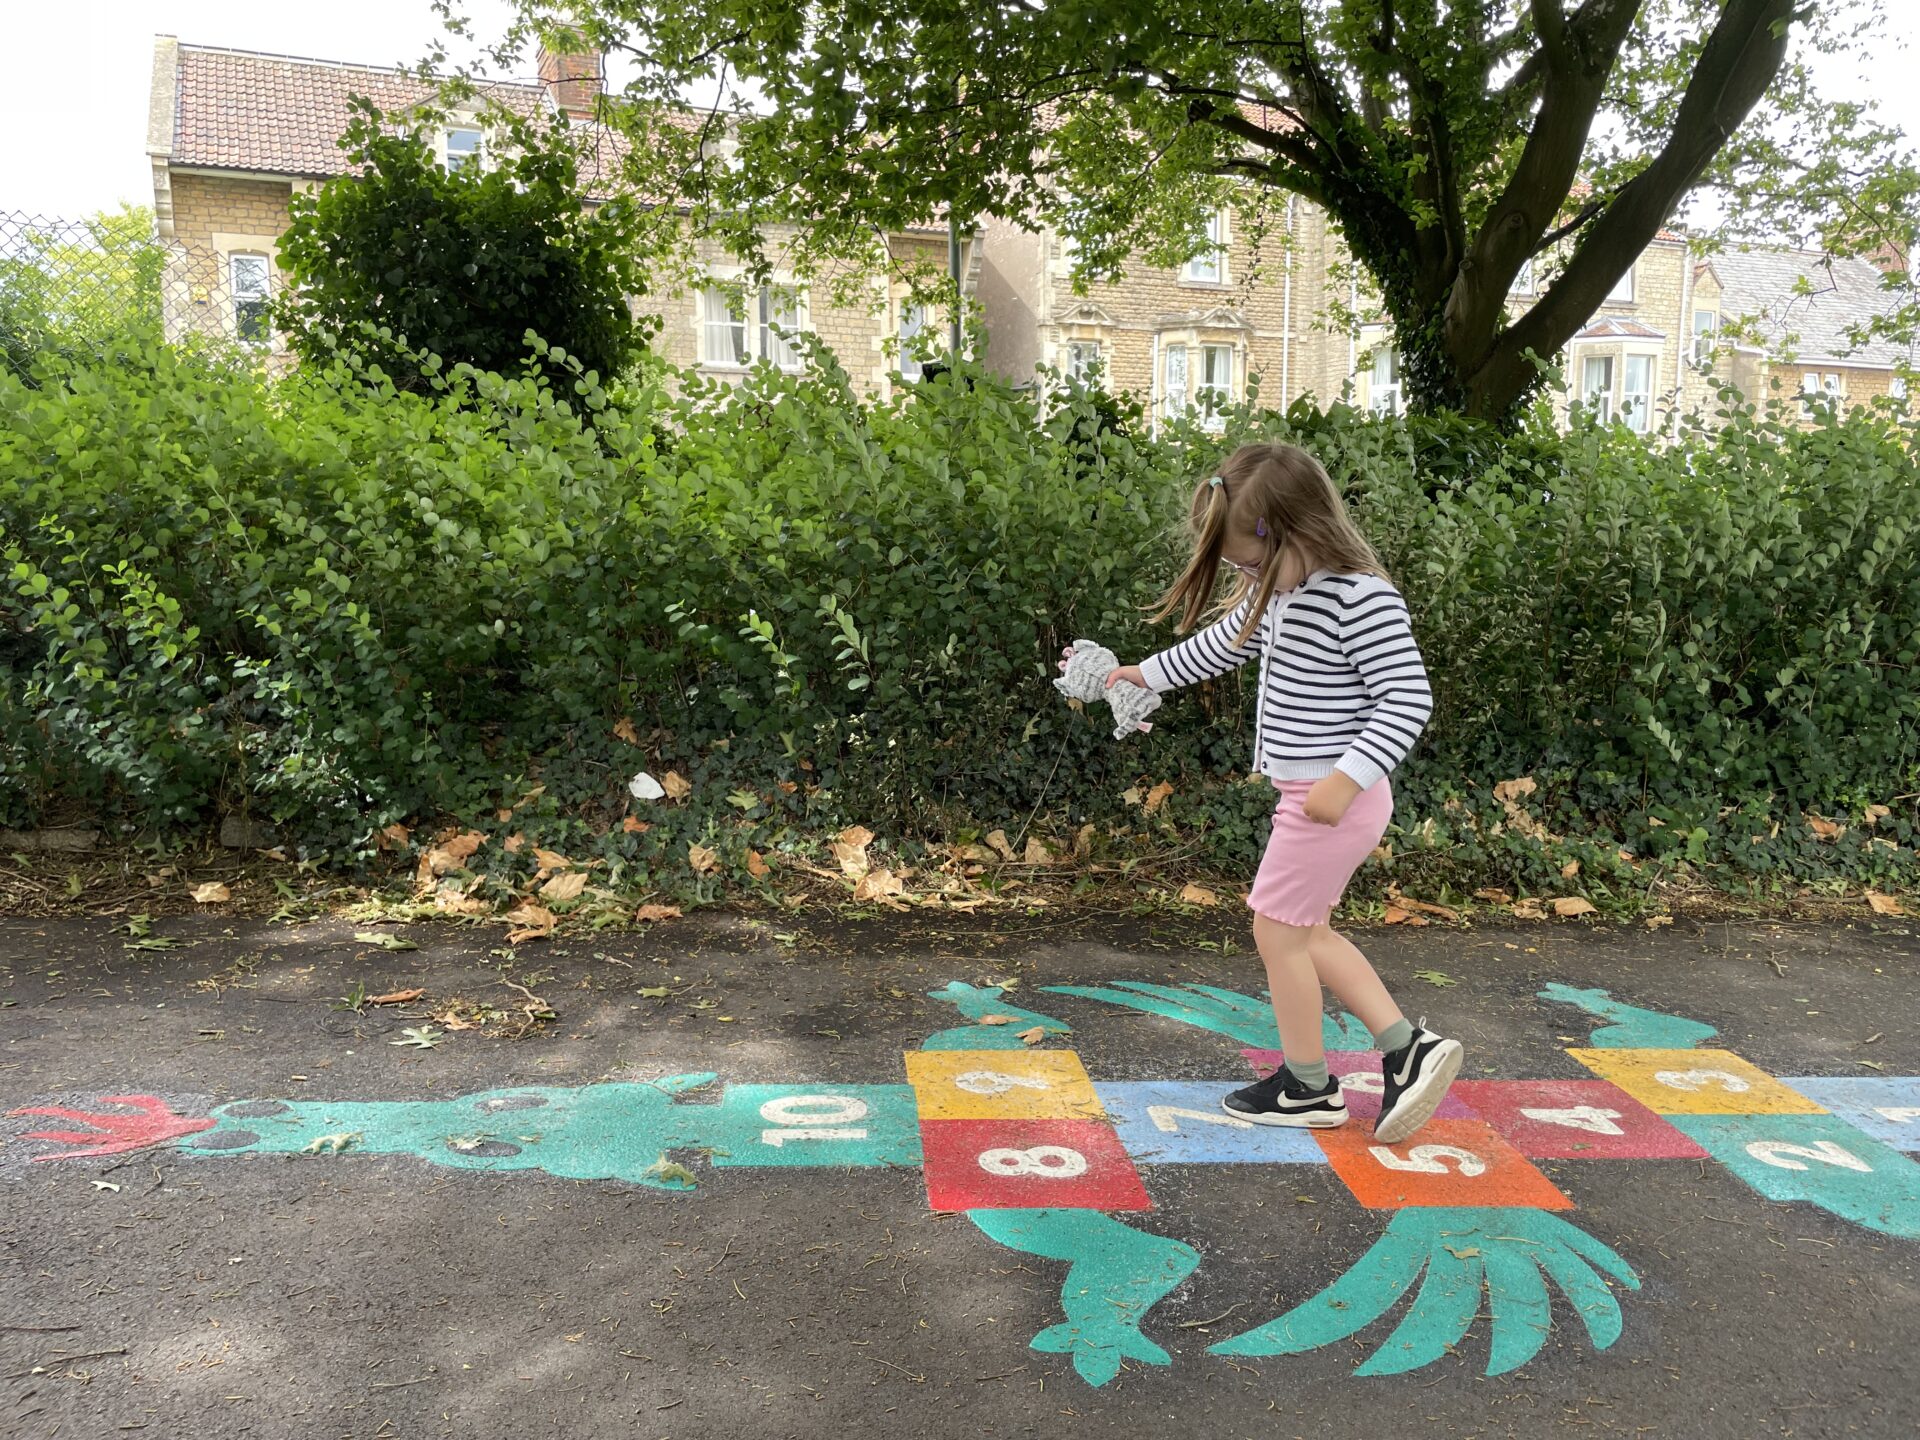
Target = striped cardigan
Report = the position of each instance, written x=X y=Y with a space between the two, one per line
x=1342 y=685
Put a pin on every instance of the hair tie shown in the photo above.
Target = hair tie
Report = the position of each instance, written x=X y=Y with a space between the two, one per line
x=1217 y=481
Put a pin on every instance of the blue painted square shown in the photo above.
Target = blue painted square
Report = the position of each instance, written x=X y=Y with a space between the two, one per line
x=782 y=1125
x=1180 y=1122
x=1885 y=1107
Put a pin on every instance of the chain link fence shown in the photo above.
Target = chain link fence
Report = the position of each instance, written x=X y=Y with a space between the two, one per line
x=88 y=289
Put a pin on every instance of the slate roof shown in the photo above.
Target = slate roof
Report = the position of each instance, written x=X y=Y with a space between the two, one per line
x=1615 y=328
x=1763 y=287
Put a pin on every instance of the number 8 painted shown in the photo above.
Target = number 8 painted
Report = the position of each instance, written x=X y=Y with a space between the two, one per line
x=1050 y=1162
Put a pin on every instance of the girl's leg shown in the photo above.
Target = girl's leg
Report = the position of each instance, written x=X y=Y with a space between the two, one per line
x=1340 y=966
x=1295 y=985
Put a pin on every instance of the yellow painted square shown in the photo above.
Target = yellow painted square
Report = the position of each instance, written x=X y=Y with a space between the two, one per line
x=1696 y=1082
x=1002 y=1085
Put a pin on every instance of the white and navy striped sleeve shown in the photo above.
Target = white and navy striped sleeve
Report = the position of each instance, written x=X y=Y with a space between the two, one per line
x=1203 y=654
x=1377 y=635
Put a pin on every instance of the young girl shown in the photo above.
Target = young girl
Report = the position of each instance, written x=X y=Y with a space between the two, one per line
x=1343 y=696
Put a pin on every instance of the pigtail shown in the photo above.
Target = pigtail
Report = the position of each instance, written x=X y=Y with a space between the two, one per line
x=1190 y=593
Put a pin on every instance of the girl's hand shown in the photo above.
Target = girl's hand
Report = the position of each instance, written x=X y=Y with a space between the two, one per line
x=1327 y=801
x=1127 y=672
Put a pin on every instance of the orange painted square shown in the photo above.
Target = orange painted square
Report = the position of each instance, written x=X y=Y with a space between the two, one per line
x=1445 y=1162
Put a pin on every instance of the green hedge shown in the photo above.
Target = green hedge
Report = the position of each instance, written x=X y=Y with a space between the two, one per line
x=340 y=605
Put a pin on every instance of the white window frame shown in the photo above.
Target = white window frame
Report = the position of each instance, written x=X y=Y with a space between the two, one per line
x=1385 y=395
x=1826 y=384
x=1622 y=291
x=1176 y=379
x=1704 y=339
x=235 y=299
x=476 y=158
x=1896 y=387
x=1209 y=267
x=1598 y=399
x=750 y=316
x=1636 y=405
x=1081 y=356
x=1205 y=393
x=915 y=318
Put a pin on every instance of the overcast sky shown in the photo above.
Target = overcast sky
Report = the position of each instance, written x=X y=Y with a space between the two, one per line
x=78 y=129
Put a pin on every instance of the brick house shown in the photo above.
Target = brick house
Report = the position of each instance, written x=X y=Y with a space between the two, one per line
x=233 y=135
x=1775 y=324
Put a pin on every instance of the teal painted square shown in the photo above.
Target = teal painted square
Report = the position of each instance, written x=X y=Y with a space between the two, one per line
x=1886 y=1107
x=788 y=1125
x=1180 y=1122
x=1818 y=1159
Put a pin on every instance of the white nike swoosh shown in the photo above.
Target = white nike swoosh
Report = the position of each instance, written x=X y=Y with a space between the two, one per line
x=1406 y=1069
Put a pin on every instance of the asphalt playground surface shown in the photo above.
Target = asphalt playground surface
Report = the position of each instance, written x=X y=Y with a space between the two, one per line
x=171 y=1289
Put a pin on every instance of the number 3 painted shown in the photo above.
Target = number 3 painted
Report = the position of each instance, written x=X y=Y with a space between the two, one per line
x=1431 y=1159
x=1050 y=1162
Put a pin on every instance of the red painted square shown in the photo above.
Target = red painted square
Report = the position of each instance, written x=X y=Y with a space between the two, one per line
x=1575 y=1120
x=1446 y=1162
x=1018 y=1164
x=1359 y=1072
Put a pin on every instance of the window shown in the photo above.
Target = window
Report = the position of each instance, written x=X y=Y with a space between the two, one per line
x=1523 y=282
x=1216 y=384
x=1816 y=385
x=1596 y=386
x=737 y=329
x=913 y=324
x=465 y=148
x=1173 y=383
x=1897 y=387
x=1083 y=358
x=1622 y=291
x=1383 y=389
x=1210 y=265
x=1706 y=330
x=1636 y=394
x=250 y=278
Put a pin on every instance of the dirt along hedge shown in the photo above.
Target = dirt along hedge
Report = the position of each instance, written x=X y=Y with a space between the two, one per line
x=339 y=606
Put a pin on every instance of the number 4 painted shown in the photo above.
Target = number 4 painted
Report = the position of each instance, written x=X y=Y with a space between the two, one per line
x=1590 y=1118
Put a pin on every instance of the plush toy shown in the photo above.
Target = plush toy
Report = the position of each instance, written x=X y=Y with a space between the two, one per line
x=1084 y=678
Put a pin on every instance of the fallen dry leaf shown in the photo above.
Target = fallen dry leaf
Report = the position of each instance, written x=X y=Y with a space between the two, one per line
x=702 y=858
x=850 y=849
x=211 y=893
x=1423 y=907
x=514 y=844
x=395 y=997
x=1131 y=795
x=1885 y=904
x=1654 y=922
x=565 y=887
x=650 y=914
x=1039 y=852
x=1199 y=895
x=998 y=1019
x=396 y=837
x=1382 y=853
x=453 y=902
x=881 y=886
x=551 y=859
x=757 y=865
x=1876 y=813
x=997 y=842
x=1397 y=916
x=1825 y=829
x=675 y=784
x=503 y=816
x=1570 y=869
x=635 y=827
x=1157 y=796
x=451 y=854
x=531 y=921
x=1493 y=896
x=1528 y=910
x=1508 y=791
x=1083 y=842
x=625 y=731
x=1033 y=1036
x=1570 y=905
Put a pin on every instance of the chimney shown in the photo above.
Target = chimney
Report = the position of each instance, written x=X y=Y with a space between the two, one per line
x=573 y=76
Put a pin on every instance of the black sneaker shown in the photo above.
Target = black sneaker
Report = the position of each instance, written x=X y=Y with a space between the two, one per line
x=1414 y=1080
x=1282 y=1099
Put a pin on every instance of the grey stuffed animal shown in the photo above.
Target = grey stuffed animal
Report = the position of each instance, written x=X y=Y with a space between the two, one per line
x=1083 y=677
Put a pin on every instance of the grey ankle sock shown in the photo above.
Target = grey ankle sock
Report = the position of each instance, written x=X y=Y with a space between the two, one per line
x=1312 y=1075
x=1394 y=1037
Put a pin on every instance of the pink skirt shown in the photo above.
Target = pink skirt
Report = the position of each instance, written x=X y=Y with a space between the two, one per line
x=1307 y=865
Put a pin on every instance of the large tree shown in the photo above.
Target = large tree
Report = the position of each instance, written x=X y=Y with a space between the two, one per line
x=1450 y=142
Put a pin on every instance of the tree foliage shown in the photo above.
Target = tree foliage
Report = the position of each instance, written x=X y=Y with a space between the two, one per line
x=1451 y=143
x=79 y=290
x=408 y=258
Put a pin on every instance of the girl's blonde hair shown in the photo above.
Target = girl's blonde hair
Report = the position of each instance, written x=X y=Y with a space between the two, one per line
x=1285 y=492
